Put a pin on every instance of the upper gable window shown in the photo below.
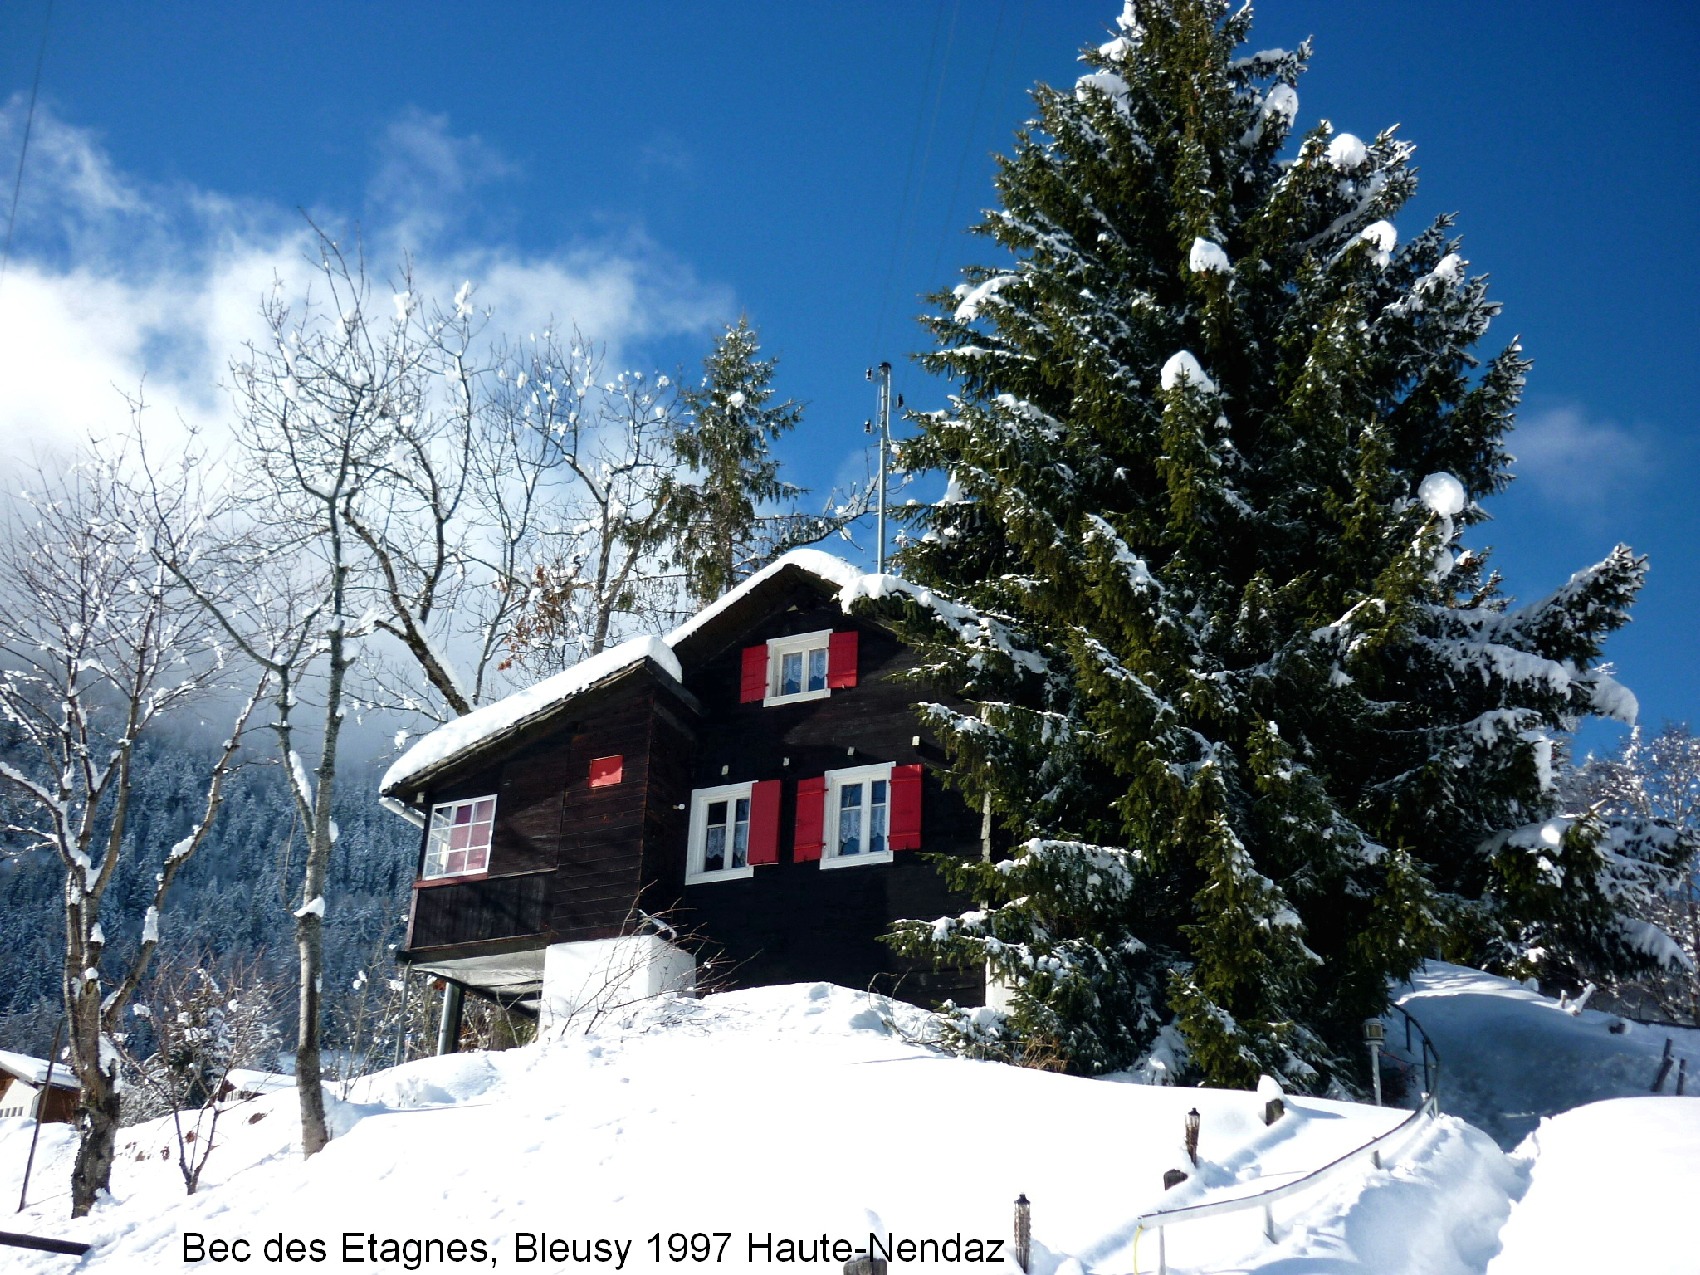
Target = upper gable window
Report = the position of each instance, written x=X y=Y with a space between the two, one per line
x=797 y=667
x=459 y=839
x=804 y=666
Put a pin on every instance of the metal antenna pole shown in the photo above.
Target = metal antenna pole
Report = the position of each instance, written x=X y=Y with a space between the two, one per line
x=885 y=458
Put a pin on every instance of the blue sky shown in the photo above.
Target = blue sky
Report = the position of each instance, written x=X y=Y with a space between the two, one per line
x=649 y=170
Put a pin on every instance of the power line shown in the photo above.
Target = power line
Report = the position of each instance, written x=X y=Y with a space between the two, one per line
x=900 y=237
x=948 y=226
x=29 y=123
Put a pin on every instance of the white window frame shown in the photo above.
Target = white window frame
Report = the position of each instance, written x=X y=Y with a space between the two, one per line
x=442 y=816
x=701 y=800
x=798 y=644
x=836 y=782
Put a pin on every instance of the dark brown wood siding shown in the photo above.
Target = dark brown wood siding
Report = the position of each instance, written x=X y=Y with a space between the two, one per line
x=792 y=921
x=600 y=851
x=568 y=861
x=598 y=876
x=479 y=909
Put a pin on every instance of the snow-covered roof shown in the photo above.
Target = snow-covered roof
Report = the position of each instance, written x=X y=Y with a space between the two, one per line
x=484 y=724
x=816 y=562
x=246 y=1080
x=34 y=1070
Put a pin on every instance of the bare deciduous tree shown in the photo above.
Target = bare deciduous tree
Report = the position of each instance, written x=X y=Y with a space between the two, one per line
x=97 y=647
x=203 y=1025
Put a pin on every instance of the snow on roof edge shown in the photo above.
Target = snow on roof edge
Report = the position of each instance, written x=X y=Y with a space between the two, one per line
x=816 y=562
x=464 y=733
x=33 y=1071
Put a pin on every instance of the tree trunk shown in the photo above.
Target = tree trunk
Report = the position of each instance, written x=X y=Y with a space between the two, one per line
x=97 y=1118
x=309 y=942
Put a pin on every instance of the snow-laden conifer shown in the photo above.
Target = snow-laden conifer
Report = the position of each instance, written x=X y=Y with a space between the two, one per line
x=1255 y=728
x=727 y=439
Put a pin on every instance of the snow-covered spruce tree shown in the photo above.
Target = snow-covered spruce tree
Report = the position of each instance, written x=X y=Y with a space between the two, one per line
x=1647 y=799
x=729 y=427
x=1259 y=732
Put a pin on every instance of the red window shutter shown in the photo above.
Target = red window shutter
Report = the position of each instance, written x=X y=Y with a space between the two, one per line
x=841 y=659
x=752 y=687
x=905 y=808
x=811 y=819
x=764 y=822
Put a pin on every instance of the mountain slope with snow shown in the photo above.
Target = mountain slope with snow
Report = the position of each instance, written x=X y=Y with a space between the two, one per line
x=763 y=1127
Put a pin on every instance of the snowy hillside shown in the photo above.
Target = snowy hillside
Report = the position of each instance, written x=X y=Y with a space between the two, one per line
x=788 y=1118
x=1512 y=1056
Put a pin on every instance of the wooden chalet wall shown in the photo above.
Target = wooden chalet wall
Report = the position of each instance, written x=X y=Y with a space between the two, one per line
x=567 y=861
x=790 y=921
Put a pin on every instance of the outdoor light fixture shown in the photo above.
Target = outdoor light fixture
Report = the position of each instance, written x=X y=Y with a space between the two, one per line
x=1192 y=1123
x=1375 y=1032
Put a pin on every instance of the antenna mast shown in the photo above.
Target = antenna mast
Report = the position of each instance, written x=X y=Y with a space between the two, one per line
x=885 y=458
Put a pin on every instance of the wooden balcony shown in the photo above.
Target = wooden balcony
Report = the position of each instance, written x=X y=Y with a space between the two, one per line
x=478 y=910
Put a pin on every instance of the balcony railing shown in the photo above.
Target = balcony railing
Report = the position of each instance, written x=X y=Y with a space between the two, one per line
x=478 y=910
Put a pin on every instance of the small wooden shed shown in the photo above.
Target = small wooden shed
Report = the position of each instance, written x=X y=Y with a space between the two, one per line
x=27 y=1090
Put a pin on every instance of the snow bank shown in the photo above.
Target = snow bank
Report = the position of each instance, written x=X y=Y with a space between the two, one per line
x=769 y=1114
x=1510 y=1056
x=1611 y=1186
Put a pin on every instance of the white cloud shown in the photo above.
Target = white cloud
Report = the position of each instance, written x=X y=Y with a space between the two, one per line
x=117 y=282
x=1577 y=460
x=426 y=177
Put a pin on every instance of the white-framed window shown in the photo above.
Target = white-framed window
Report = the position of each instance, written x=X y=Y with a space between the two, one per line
x=797 y=667
x=719 y=844
x=459 y=839
x=858 y=816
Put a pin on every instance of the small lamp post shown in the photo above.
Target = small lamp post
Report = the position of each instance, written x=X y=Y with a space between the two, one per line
x=1375 y=1034
x=1192 y=1123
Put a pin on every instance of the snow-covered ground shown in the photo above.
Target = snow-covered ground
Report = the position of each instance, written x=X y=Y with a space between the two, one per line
x=1510 y=1056
x=786 y=1119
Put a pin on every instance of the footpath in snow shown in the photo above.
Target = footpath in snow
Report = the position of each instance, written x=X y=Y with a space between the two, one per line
x=1512 y=1056
x=754 y=1131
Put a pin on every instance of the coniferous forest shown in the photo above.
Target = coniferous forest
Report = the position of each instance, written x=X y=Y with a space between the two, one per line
x=231 y=906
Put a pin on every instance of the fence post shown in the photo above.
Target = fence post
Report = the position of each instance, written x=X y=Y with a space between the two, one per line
x=1269 y=1223
x=1023 y=1232
x=1664 y=1068
x=1681 y=1076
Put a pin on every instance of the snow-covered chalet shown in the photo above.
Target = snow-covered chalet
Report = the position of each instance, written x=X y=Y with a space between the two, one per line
x=758 y=779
